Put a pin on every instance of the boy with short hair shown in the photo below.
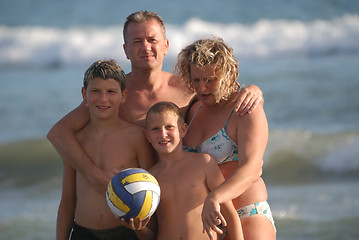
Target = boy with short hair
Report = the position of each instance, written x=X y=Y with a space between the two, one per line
x=185 y=179
x=111 y=143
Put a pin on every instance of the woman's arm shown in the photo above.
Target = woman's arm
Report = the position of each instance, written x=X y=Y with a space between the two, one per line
x=230 y=219
x=62 y=137
x=252 y=134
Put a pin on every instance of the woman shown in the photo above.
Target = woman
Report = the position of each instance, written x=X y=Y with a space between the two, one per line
x=236 y=142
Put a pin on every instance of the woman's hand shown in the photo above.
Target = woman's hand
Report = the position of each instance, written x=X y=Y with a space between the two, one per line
x=212 y=217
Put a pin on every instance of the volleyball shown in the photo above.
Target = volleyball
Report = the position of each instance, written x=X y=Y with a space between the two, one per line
x=133 y=193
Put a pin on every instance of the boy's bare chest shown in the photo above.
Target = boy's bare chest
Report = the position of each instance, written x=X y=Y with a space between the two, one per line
x=182 y=186
x=108 y=154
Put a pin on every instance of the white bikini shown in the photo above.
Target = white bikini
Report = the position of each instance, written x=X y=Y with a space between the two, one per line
x=223 y=149
x=220 y=146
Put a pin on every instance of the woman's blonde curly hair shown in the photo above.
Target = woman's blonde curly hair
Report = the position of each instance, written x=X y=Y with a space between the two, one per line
x=210 y=51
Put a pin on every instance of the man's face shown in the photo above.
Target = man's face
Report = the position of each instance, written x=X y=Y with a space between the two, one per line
x=145 y=45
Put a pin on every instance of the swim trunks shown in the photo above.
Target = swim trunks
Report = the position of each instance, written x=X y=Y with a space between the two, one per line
x=220 y=146
x=118 y=233
x=261 y=208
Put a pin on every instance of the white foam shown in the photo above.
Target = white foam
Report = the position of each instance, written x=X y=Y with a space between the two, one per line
x=44 y=46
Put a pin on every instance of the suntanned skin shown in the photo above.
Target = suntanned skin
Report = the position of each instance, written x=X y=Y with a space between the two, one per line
x=243 y=183
x=111 y=143
x=185 y=180
x=122 y=146
x=146 y=84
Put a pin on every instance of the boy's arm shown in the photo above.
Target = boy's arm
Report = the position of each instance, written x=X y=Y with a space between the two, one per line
x=248 y=99
x=66 y=211
x=62 y=137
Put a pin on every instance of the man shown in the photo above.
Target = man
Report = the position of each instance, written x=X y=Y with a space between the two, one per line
x=145 y=46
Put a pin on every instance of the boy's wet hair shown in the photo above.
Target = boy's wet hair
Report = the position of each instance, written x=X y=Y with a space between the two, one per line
x=166 y=107
x=105 y=69
x=140 y=17
x=210 y=52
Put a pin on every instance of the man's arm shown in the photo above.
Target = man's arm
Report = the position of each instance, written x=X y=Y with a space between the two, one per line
x=145 y=154
x=248 y=99
x=62 y=136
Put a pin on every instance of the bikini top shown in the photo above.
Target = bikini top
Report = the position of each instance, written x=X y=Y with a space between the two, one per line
x=220 y=146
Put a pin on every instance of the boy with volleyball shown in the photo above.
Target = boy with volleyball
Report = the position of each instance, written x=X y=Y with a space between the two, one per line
x=185 y=179
x=111 y=143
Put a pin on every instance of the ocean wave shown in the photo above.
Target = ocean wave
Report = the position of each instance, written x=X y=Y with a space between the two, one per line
x=51 y=47
x=291 y=157
x=296 y=156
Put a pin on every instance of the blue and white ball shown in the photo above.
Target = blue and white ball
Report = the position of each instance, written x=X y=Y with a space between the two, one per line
x=133 y=193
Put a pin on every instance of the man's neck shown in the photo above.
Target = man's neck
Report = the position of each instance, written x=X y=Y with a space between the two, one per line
x=145 y=80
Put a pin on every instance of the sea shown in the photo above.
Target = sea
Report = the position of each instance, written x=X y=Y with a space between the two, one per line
x=304 y=55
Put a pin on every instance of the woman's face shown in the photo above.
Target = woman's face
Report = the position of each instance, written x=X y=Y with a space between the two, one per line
x=204 y=82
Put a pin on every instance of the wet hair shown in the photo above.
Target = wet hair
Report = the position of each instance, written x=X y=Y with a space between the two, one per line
x=210 y=52
x=140 y=17
x=164 y=108
x=105 y=69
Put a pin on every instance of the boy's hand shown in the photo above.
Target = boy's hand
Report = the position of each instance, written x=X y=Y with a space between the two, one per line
x=137 y=225
x=247 y=99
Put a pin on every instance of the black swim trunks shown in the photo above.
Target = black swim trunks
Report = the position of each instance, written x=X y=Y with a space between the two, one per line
x=118 y=233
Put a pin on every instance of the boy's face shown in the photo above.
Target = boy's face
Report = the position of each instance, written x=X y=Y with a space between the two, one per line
x=103 y=97
x=145 y=45
x=164 y=132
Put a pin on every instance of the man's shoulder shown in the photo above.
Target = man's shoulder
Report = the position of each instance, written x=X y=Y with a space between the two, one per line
x=174 y=81
x=178 y=88
x=128 y=127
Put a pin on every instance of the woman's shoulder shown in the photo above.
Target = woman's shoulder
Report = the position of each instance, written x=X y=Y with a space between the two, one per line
x=257 y=113
x=199 y=156
x=254 y=121
x=192 y=108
